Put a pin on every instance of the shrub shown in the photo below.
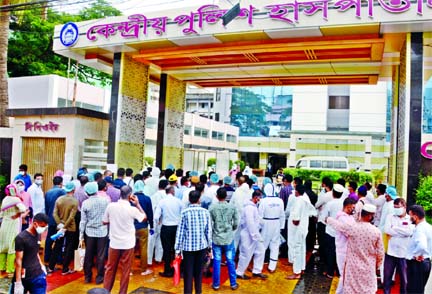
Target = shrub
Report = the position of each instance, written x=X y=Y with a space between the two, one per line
x=149 y=160
x=211 y=161
x=240 y=163
x=424 y=193
x=333 y=175
x=365 y=177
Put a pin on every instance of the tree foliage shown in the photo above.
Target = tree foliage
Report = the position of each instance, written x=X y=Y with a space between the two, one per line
x=248 y=112
x=31 y=40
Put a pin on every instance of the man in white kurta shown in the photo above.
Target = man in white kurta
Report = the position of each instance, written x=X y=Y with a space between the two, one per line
x=298 y=222
x=271 y=211
x=251 y=240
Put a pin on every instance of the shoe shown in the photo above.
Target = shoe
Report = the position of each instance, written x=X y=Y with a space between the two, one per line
x=99 y=280
x=215 y=288
x=50 y=271
x=243 y=277
x=329 y=276
x=271 y=271
x=260 y=275
x=68 y=272
x=87 y=281
x=166 y=275
x=146 y=272
x=235 y=287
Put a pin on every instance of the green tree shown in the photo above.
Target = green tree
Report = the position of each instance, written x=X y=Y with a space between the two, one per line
x=248 y=111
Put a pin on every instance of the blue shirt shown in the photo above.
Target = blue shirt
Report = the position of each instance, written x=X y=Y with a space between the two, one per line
x=26 y=178
x=51 y=197
x=194 y=232
x=146 y=205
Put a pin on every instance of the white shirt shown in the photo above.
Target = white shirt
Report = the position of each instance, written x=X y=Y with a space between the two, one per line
x=156 y=198
x=240 y=197
x=420 y=243
x=186 y=195
x=386 y=210
x=211 y=193
x=37 y=198
x=331 y=209
x=169 y=211
x=323 y=198
x=120 y=216
x=379 y=203
x=400 y=229
x=129 y=181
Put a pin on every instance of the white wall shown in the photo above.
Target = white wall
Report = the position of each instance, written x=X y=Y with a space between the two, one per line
x=368 y=108
x=310 y=105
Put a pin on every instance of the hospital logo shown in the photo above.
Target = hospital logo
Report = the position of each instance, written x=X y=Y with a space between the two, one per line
x=69 y=34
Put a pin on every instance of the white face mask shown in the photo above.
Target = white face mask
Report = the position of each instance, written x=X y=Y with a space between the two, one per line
x=40 y=230
x=22 y=173
x=38 y=182
x=399 y=211
x=21 y=188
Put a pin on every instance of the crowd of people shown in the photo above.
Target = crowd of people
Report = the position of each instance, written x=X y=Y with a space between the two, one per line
x=361 y=232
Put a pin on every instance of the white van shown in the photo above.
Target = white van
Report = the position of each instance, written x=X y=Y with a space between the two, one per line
x=323 y=163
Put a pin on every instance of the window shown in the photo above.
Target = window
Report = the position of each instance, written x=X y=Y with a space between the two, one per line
x=187 y=130
x=217 y=116
x=151 y=123
x=327 y=164
x=340 y=164
x=217 y=136
x=315 y=163
x=201 y=132
x=338 y=102
x=301 y=163
x=231 y=138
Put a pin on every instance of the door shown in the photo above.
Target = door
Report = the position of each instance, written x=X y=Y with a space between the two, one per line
x=45 y=156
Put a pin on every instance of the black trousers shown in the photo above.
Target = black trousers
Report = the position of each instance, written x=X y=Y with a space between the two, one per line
x=52 y=229
x=417 y=275
x=322 y=242
x=311 y=236
x=168 y=236
x=95 y=247
x=68 y=253
x=331 y=255
x=193 y=261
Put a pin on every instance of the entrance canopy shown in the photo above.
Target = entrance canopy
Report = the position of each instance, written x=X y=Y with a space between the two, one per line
x=270 y=43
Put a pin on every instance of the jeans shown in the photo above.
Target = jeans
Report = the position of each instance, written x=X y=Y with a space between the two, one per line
x=36 y=285
x=417 y=275
x=390 y=264
x=229 y=251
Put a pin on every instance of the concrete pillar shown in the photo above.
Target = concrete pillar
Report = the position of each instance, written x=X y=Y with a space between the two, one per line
x=292 y=152
x=263 y=160
x=368 y=154
x=172 y=106
x=128 y=113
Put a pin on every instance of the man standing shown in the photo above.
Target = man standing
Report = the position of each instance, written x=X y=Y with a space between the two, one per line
x=22 y=175
x=379 y=202
x=365 y=250
x=400 y=229
x=240 y=197
x=111 y=191
x=30 y=273
x=344 y=216
x=331 y=209
x=225 y=220
x=37 y=195
x=419 y=251
x=121 y=216
x=142 y=228
x=286 y=190
x=193 y=238
x=298 y=223
x=93 y=232
x=325 y=196
x=251 y=242
x=155 y=243
x=271 y=211
x=50 y=199
x=64 y=214
x=168 y=214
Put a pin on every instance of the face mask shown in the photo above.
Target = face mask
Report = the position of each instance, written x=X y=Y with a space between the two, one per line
x=21 y=188
x=398 y=211
x=372 y=220
x=38 y=182
x=40 y=230
x=352 y=212
x=412 y=221
x=22 y=173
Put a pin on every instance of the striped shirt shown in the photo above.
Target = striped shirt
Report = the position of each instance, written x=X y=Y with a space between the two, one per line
x=194 y=232
x=92 y=212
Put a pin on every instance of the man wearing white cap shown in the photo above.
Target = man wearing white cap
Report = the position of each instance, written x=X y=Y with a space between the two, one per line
x=271 y=211
x=331 y=209
x=365 y=250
